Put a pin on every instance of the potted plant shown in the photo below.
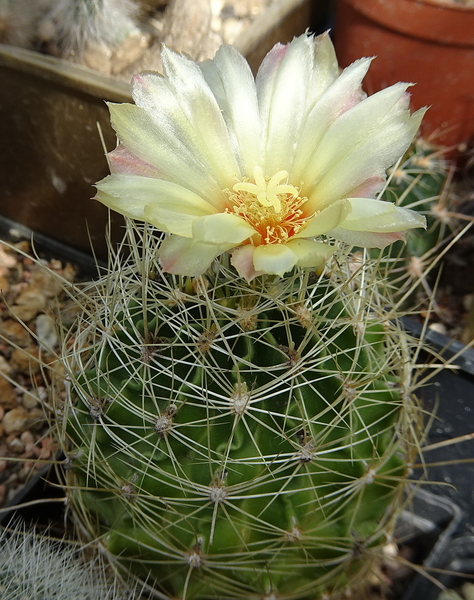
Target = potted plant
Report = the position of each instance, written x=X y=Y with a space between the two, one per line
x=427 y=42
x=230 y=429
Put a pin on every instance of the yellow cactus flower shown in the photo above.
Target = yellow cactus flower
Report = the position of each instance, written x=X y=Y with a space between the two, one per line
x=270 y=168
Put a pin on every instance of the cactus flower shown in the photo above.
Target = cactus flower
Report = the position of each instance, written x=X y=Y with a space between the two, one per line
x=272 y=169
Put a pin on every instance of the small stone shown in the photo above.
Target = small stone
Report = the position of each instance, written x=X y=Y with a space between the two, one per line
x=15 y=332
x=7 y=394
x=46 y=332
x=4 y=285
x=49 y=285
x=37 y=419
x=231 y=29
x=3 y=465
x=97 y=56
x=438 y=328
x=30 y=400
x=129 y=51
x=7 y=260
x=15 y=420
x=5 y=366
x=26 y=361
x=27 y=438
x=29 y=303
x=16 y=445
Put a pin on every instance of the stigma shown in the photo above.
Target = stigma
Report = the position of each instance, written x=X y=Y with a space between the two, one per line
x=268 y=192
x=270 y=205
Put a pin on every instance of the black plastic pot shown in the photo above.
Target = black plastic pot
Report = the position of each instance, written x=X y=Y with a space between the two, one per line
x=449 y=395
x=454 y=566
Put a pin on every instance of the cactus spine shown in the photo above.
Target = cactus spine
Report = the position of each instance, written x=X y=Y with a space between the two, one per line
x=37 y=567
x=233 y=440
x=420 y=182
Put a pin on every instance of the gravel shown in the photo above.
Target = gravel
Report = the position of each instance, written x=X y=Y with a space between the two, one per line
x=29 y=297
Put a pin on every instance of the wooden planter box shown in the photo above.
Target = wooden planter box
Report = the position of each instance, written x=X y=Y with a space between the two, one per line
x=50 y=115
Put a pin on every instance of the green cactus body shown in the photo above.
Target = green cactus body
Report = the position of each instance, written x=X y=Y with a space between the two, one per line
x=418 y=183
x=232 y=440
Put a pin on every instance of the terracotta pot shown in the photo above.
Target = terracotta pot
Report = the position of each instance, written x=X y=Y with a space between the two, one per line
x=427 y=42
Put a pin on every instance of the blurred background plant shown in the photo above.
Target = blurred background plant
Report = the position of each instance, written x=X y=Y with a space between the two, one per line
x=36 y=566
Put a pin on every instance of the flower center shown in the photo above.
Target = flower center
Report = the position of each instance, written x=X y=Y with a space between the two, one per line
x=271 y=207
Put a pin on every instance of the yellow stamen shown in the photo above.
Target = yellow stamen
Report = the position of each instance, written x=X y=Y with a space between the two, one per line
x=272 y=208
x=267 y=193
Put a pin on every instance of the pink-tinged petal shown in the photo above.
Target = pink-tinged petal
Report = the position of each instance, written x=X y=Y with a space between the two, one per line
x=185 y=256
x=365 y=239
x=327 y=219
x=343 y=93
x=242 y=261
x=375 y=223
x=362 y=143
x=166 y=205
x=232 y=83
x=200 y=106
x=275 y=259
x=369 y=188
x=311 y=254
x=152 y=144
x=282 y=121
x=121 y=160
x=222 y=228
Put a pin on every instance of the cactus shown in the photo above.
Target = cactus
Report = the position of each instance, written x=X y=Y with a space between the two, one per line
x=72 y=24
x=420 y=182
x=234 y=440
x=243 y=426
x=37 y=567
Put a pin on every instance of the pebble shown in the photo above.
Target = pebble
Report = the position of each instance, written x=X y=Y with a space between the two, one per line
x=26 y=361
x=7 y=394
x=46 y=332
x=16 y=445
x=30 y=400
x=16 y=420
x=29 y=303
x=37 y=419
x=15 y=332
x=5 y=366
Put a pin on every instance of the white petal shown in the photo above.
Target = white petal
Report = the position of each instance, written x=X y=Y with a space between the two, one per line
x=342 y=94
x=310 y=254
x=275 y=259
x=242 y=261
x=364 y=239
x=361 y=144
x=222 y=228
x=284 y=104
x=380 y=216
x=199 y=104
x=166 y=205
x=184 y=256
x=150 y=143
x=231 y=80
x=326 y=220
x=325 y=65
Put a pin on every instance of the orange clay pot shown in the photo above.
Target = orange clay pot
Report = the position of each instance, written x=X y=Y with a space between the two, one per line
x=427 y=42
